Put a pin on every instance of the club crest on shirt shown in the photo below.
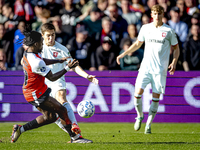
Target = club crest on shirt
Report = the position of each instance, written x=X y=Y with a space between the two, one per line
x=43 y=69
x=164 y=34
x=55 y=54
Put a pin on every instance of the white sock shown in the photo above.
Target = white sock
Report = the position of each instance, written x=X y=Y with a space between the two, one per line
x=138 y=105
x=58 y=122
x=70 y=112
x=152 y=111
x=22 y=129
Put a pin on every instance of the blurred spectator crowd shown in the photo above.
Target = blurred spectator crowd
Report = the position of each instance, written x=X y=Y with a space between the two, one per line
x=97 y=31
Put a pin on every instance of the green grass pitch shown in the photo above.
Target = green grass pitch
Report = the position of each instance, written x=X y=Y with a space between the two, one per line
x=106 y=136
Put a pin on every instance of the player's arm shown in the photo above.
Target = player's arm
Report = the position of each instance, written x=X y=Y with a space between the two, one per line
x=186 y=57
x=176 y=54
x=186 y=66
x=55 y=76
x=21 y=61
x=131 y=49
x=83 y=16
x=84 y=74
x=54 y=61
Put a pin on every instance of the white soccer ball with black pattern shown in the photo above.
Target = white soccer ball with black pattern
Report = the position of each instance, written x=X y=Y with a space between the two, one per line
x=86 y=109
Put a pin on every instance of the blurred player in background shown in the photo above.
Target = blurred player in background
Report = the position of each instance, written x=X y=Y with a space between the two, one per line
x=158 y=38
x=54 y=50
x=36 y=91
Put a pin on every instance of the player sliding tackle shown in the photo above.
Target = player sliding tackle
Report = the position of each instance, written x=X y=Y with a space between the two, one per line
x=36 y=91
x=158 y=38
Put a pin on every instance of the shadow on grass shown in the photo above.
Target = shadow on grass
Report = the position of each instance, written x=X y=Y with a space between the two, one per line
x=148 y=143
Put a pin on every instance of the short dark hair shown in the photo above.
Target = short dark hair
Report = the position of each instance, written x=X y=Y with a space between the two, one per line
x=47 y=26
x=31 y=37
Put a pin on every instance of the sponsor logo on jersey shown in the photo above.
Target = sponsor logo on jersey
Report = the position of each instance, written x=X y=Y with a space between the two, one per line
x=156 y=41
x=43 y=69
x=55 y=54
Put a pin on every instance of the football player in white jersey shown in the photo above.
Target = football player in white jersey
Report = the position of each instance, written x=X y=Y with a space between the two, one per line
x=158 y=38
x=54 y=50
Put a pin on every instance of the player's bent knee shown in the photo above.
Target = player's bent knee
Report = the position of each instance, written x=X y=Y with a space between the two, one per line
x=51 y=117
x=61 y=110
x=61 y=96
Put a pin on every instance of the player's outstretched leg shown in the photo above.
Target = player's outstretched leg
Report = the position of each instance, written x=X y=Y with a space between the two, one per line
x=76 y=129
x=74 y=132
x=152 y=112
x=76 y=138
x=138 y=108
x=38 y=122
x=15 y=133
x=59 y=123
x=70 y=113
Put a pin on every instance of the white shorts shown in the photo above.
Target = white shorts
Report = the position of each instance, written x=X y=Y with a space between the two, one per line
x=158 y=82
x=56 y=86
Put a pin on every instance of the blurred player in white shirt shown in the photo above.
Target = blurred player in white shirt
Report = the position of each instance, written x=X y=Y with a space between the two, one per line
x=54 y=50
x=158 y=38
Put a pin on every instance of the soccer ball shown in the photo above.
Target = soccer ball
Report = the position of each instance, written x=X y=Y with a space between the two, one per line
x=86 y=109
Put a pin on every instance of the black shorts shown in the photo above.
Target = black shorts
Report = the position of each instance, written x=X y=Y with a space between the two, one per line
x=41 y=99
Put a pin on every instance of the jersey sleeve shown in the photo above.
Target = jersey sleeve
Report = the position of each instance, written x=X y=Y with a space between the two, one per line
x=173 y=39
x=40 y=68
x=43 y=54
x=141 y=36
x=66 y=53
x=40 y=54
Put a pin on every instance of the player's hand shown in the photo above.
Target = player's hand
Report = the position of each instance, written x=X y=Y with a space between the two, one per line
x=172 y=68
x=63 y=59
x=102 y=67
x=118 y=59
x=2 y=67
x=92 y=79
x=73 y=64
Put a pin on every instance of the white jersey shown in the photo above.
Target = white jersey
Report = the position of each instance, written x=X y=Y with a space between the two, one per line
x=56 y=52
x=37 y=65
x=157 y=48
